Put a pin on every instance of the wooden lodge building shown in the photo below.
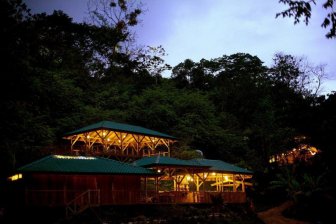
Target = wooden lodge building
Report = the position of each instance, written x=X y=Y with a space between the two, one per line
x=91 y=175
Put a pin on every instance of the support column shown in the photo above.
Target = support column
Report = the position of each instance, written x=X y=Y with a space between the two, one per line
x=234 y=183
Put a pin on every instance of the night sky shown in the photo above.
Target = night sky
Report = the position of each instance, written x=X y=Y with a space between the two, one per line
x=197 y=29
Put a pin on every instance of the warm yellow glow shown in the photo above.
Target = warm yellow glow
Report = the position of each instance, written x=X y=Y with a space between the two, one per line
x=159 y=171
x=104 y=133
x=226 y=178
x=74 y=157
x=189 y=178
x=15 y=177
x=213 y=174
x=108 y=139
x=302 y=152
x=88 y=136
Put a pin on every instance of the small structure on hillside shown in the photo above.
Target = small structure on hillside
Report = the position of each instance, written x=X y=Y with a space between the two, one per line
x=303 y=152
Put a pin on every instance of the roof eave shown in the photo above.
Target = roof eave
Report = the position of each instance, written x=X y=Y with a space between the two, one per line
x=68 y=134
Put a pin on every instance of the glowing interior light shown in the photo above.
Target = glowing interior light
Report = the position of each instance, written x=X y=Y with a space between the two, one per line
x=213 y=174
x=104 y=133
x=226 y=178
x=189 y=178
x=88 y=136
x=159 y=171
x=108 y=139
x=15 y=177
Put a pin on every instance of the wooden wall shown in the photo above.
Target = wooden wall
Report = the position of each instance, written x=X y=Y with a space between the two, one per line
x=59 y=189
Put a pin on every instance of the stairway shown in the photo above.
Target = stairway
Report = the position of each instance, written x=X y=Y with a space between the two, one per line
x=85 y=200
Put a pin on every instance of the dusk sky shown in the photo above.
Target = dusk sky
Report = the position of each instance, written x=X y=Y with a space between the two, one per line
x=197 y=29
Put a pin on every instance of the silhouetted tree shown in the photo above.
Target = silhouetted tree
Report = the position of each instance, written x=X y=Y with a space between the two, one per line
x=303 y=9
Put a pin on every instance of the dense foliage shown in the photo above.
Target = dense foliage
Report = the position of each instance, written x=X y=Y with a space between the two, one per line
x=58 y=75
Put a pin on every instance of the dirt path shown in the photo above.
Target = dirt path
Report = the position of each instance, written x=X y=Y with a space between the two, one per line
x=274 y=215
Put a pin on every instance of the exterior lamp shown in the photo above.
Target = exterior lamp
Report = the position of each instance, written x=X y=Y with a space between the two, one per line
x=15 y=177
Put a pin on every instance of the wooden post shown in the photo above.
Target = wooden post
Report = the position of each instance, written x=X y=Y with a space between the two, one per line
x=234 y=183
x=243 y=183
x=168 y=148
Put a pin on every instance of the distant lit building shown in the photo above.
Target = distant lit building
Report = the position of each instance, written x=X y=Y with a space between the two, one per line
x=301 y=153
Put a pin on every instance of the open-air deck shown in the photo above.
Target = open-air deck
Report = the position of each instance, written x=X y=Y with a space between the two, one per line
x=118 y=140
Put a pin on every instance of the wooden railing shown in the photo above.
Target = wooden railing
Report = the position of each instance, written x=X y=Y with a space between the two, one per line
x=87 y=199
x=228 y=197
x=78 y=150
x=77 y=200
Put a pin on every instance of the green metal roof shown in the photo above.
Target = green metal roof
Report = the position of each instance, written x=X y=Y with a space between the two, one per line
x=109 y=125
x=81 y=164
x=220 y=166
x=166 y=161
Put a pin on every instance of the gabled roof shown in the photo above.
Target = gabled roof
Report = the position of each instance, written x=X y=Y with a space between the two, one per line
x=82 y=165
x=166 y=161
x=220 y=166
x=109 y=125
